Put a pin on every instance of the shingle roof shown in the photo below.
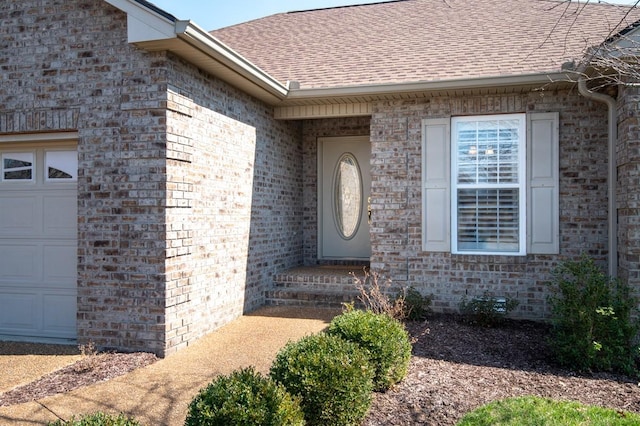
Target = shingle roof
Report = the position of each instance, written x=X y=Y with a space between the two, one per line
x=423 y=40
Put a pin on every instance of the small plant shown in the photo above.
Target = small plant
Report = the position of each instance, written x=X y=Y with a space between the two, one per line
x=488 y=310
x=97 y=419
x=90 y=358
x=375 y=295
x=591 y=317
x=385 y=340
x=244 y=398
x=416 y=306
x=331 y=375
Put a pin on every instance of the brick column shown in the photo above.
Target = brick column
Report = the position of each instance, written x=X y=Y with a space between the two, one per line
x=628 y=190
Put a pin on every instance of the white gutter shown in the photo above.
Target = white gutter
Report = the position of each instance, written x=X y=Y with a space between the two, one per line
x=612 y=176
x=153 y=29
x=427 y=86
x=199 y=38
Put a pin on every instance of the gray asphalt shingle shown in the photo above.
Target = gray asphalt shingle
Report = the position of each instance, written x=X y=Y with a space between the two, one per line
x=423 y=40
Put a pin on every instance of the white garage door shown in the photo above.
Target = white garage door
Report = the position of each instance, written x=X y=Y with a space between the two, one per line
x=38 y=239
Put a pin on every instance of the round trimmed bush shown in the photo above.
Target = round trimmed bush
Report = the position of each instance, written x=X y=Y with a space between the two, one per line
x=332 y=376
x=97 y=419
x=385 y=339
x=244 y=398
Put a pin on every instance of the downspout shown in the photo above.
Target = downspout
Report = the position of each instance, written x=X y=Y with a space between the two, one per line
x=612 y=175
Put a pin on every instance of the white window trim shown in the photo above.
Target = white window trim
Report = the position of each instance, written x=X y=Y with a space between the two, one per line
x=33 y=167
x=520 y=185
x=74 y=174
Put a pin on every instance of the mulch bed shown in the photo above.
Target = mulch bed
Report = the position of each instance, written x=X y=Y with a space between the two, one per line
x=455 y=368
x=91 y=369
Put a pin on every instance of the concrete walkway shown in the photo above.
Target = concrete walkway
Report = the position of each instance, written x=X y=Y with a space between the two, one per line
x=159 y=394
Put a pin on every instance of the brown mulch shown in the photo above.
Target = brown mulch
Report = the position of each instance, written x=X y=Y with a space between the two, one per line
x=455 y=368
x=90 y=369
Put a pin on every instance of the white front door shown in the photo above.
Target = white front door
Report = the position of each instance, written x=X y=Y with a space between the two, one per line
x=38 y=240
x=343 y=197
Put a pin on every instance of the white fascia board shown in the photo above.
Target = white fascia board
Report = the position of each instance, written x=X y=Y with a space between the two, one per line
x=429 y=86
x=143 y=24
x=201 y=39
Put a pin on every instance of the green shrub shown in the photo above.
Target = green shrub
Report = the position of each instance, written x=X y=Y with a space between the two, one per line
x=332 y=376
x=416 y=306
x=97 y=419
x=591 y=317
x=385 y=340
x=536 y=411
x=487 y=310
x=244 y=398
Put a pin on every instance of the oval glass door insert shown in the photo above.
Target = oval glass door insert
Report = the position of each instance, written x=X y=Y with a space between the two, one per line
x=347 y=195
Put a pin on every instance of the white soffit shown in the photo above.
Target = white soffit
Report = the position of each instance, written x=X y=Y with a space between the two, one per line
x=353 y=101
x=143 y=24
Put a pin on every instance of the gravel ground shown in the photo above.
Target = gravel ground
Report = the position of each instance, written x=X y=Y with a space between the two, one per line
x=35 y=360
x=455 y=368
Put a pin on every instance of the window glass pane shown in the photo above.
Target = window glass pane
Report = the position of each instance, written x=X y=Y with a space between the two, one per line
x=487 y=151
x=61 y=165
x=17 y=166
x=347 y=194
x=488 y=220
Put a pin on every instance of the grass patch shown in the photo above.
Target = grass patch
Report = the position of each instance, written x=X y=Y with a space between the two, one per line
x=535 y=411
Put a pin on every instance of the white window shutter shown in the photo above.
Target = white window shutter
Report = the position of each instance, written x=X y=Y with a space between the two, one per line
x=436 y=175
x=543 y=170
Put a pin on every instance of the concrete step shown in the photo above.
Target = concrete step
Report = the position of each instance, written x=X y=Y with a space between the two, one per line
x=321 y=286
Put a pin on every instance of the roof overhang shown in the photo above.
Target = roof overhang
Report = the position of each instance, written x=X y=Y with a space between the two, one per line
x=153 y=29
x=613 y=62
x=624 y=45
x=358 y=100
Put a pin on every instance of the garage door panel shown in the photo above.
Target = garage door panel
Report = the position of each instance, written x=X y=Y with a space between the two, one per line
x=19 y=312
x=19 y=215
x=60 y=213
x=59 y=264
x=38 y=249
x=59 y=313
x=20 y=262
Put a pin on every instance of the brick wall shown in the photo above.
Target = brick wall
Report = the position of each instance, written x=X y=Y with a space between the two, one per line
x=396 y=200
x=628 y=201
x=188 y=192
x=234 y=179
x=66 y=65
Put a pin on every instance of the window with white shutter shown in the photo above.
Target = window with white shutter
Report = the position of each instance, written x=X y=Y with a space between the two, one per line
x=490 y=184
